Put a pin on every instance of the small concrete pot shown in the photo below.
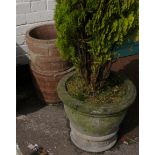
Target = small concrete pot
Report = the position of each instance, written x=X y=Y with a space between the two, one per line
x=94 y=129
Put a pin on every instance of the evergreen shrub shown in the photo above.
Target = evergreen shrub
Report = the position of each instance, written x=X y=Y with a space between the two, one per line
x=89 y=31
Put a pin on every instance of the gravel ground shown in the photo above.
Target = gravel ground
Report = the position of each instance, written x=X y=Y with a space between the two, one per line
x=47 y=125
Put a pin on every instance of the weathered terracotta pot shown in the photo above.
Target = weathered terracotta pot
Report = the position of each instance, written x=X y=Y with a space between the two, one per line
x=45 y=62
x=94 y=128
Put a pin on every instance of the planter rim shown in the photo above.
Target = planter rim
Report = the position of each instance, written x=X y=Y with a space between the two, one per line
x=29 y=37
x=100 y=111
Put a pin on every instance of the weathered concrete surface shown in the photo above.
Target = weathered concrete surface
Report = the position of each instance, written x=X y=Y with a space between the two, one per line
x=18 y=151
x=49 y=127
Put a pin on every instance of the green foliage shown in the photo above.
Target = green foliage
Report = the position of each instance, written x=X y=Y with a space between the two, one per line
x=89 y=31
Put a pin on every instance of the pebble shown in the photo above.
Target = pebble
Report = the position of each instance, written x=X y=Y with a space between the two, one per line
x=125 y=142
x=21 y=117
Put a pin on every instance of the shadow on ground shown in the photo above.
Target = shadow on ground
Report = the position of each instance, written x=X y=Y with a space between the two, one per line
x=26 y=96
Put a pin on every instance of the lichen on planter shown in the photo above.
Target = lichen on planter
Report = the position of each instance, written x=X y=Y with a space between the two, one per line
x=95 y=126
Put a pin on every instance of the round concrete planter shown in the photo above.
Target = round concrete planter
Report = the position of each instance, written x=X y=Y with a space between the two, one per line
x=94 y=128
x=46 y=64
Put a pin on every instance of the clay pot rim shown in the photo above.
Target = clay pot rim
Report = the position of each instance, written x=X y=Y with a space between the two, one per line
x=103 y=111
x=30 y=38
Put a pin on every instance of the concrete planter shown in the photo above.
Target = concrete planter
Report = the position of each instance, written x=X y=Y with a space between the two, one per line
x=94 y=129
x=46 y=65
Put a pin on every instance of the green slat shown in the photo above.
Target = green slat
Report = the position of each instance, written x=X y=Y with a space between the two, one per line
x=129 y=48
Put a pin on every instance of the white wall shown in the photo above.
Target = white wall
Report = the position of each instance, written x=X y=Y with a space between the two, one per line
x=30 y=13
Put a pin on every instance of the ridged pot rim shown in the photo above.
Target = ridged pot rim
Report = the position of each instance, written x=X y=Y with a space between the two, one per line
x=108 y=109
x=30 y=38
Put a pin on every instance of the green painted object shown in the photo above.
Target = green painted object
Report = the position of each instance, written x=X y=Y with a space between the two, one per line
x=128 y=48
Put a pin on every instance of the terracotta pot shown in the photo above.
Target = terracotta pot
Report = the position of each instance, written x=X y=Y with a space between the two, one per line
x=94 y=128
x=45 y=62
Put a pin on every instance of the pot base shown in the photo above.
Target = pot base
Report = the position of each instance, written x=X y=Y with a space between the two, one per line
x=92 y=144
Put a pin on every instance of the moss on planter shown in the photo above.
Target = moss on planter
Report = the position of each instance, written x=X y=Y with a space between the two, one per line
x=94 y=126
x=112 y=93
x=96 y=109
x=95 y=119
